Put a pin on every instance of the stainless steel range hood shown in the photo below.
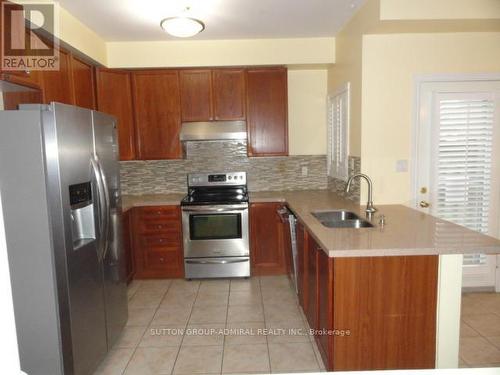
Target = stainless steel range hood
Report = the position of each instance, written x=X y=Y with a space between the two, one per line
x=213 y=131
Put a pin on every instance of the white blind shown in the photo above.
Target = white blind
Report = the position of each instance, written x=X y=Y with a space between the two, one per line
x=464 y=162
x=338 y=134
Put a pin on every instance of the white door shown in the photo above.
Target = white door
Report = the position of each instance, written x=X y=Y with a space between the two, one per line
x=457 y=174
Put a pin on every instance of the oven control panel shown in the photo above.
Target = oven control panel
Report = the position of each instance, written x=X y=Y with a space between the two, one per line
x=217 y=179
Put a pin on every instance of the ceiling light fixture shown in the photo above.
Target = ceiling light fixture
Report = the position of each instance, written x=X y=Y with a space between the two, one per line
x=182 y=27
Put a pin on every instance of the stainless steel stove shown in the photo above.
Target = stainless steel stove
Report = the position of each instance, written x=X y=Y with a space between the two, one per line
x=215 y=226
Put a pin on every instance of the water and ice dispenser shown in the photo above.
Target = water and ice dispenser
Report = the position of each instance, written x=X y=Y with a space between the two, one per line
x=82 y=214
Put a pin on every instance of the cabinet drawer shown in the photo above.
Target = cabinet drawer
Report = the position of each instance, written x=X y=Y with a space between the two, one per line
x=158 y=226
x=162 y=259
x=168 y=240
x=157 y=212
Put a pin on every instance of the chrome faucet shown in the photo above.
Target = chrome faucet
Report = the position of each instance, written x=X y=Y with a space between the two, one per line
x=370 y=209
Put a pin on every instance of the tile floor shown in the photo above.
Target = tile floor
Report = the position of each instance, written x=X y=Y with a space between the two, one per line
x=480 y=330
x=213 y=327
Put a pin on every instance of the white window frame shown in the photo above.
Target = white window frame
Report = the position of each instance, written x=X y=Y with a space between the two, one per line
x=338 y=125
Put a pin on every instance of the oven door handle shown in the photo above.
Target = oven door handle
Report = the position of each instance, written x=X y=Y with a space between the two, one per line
x=208 y=209
x=222 y=261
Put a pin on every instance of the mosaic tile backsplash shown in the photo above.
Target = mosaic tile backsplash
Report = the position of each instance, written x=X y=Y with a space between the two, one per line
x=338 y=186
x=263 y=173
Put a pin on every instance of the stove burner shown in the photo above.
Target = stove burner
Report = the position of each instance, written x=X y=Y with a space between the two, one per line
x=220 y=188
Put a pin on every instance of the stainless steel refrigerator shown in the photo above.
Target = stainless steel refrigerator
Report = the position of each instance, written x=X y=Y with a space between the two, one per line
x=60 y=190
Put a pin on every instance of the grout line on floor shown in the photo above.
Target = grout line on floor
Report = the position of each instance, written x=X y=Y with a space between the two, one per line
x=265 y=325
x=156 y=310
x=187 y=323
x=225 y=326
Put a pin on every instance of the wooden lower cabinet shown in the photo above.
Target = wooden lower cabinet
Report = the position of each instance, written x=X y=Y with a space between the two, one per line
x=157 y=242
x=267 y=240
x=325 y=307
x=369 y=313
x=389 y=306
x=127 y=245
x=311 y=307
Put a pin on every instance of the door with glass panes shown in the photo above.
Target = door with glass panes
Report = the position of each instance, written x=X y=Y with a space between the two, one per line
x=457 y=176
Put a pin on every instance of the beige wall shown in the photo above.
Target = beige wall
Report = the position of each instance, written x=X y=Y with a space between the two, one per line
x=79 y=36
x=390 y=64
x=348 y=66
x=307 y=90
x=221 y=52
x=439 y=9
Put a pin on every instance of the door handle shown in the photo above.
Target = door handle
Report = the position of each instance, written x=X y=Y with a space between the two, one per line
x=102 y=206
x=108 y=208
x=209 y=209
x=424 y=204
x=216 y=261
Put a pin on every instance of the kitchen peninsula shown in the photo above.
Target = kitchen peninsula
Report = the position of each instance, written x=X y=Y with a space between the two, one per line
x=382 y=284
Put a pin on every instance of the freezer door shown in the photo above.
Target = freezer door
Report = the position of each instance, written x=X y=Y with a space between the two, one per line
x=68 y=134
x=114 y=271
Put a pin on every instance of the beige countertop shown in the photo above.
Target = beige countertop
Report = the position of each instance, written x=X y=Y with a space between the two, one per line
x=406 y=232
x=130 y=201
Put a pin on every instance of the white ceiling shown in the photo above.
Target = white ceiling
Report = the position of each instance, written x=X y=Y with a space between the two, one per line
x=139 y=20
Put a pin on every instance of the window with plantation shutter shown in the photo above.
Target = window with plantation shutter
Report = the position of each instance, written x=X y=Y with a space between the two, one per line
x=338 y=134
x=463 y=161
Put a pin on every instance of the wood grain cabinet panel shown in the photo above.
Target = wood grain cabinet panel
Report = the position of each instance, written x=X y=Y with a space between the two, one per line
x=266 y=240
x=311 y=310
x=267 y=118
x=157 y=114
x=127 y=245
x=57 y=85
x=158 y=242
x=196 y=95
x=389 y=305
x=114 y=96
x=82 y=75
x=325 y=307
x=229 y=89
x=386 y=304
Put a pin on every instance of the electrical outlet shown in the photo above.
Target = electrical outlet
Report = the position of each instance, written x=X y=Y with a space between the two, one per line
x=305 y=171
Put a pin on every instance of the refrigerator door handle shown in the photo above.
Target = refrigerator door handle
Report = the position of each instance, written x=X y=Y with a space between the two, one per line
x=101 y=207
x=108 y=208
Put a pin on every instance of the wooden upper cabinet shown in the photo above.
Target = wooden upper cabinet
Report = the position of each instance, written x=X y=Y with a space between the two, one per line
x=57 y=84
x=213 y=94
x=114 y=96
x=82 y=75
x=157 y=114
x=196 y=95
x=266 y=240
x=229 y=94
x=267 y=107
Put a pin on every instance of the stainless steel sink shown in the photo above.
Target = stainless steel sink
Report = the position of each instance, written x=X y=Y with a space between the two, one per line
x=341 y=219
